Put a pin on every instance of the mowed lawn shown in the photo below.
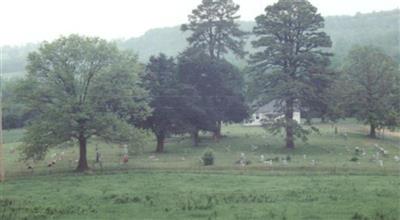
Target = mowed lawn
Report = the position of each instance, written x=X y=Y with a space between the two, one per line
x=163 y=195
x=319 y=181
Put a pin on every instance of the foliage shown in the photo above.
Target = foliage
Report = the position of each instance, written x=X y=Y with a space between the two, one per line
x=290 y=61
x=15 y=113
x=354 y=159
x=214 y=30
x=324 y=102
x=160 y=79
x=208 y=158
x=334 y=96
x=375 y=95
x=80 y=87
x=218 y=89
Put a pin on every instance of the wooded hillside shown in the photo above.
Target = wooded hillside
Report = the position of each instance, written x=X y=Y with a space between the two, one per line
x=379 y=29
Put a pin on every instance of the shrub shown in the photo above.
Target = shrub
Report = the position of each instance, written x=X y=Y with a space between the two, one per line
x=358 y=216
x=354 y=159
x=208 y=158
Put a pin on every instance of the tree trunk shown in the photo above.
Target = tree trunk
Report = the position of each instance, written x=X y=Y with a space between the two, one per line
x=82 y=164
x=289 y=125
x=372 y=132
x=195 y=137
x=218 y=133
x=160 y=143
x=289 y=137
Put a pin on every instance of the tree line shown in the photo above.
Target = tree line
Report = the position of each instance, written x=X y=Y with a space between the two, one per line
x=377 y=28
x=79 y=87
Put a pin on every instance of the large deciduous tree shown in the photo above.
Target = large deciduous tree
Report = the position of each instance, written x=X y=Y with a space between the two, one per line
x=80 y=87
x=218 y=89
x=290 y=54
x=374 y=97
x=160 y=79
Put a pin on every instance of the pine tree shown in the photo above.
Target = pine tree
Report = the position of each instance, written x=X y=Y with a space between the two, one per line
x=290 y=46
x=214 y=30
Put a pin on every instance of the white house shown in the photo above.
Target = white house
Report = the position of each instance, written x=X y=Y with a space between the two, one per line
x=269 y=112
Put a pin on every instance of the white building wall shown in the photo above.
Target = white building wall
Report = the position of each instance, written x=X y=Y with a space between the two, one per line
x=297 y=117
x=256 y=119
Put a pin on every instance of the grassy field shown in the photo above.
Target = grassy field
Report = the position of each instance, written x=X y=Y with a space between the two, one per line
x=319 y=182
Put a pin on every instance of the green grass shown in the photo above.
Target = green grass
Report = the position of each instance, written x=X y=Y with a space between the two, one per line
x=161 y=195
x=12 y=136
x=177 y=186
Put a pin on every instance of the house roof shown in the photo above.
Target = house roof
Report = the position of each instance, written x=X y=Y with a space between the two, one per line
x=272 y=108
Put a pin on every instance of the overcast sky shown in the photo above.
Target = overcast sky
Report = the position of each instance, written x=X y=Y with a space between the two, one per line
x=25 y=21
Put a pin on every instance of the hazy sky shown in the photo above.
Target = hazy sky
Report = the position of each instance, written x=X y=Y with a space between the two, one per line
x=25 y=21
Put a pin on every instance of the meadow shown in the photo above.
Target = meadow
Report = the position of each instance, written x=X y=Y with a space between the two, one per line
x=320 y=179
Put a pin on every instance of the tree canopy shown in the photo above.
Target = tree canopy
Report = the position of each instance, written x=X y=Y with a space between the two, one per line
x=290 y=59
x=218 y=84
x=80 y=87
x=375 y=81
x=161 y=80
x=214 y=30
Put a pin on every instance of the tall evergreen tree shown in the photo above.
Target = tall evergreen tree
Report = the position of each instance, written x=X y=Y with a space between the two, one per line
x=214 y=30
x=290 y=46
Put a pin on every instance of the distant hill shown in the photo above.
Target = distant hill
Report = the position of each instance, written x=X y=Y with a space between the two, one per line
x=14 y=58
x=168 y=40
x=379 y=28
